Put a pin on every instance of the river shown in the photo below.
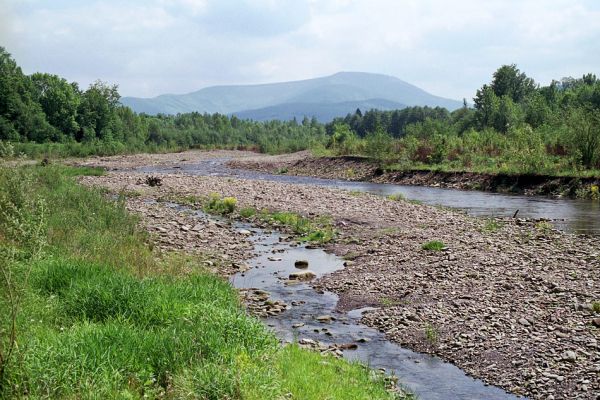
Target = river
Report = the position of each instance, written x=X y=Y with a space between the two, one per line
x=569 y=215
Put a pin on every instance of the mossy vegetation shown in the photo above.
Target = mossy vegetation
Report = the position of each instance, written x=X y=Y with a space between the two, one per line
x=89 y=310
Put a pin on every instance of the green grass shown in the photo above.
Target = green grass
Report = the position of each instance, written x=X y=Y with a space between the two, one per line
x=434 y=245
x=308 y=229
x=397 y=197
x=101 y=316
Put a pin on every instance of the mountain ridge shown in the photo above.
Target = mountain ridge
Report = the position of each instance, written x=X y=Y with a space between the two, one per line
x=330 y=92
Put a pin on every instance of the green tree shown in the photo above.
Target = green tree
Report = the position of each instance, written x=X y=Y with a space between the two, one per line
x=584 y=129
x=59 y=100
x=509 y=81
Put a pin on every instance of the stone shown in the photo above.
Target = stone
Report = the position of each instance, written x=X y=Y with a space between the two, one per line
x=324 y=318
x=245 y=232
x=306 y=275
x=301 y=264
x=570 y=356
x=524 y=322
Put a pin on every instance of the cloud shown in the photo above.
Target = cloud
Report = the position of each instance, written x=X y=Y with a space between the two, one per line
x=158 y=46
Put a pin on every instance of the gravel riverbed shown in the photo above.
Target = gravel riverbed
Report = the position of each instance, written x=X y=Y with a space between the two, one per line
x=511 y=302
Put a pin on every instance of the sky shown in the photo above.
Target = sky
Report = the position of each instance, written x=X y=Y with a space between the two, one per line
x=152 y=47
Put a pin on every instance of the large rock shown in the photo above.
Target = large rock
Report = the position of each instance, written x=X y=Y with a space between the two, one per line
x=301 y=264
x=305 y=275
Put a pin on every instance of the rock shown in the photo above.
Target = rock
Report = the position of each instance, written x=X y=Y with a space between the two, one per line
x=274 y=258
x=245 y=232
x=570 y=356
x=524 y=322
x=299 y=325
x=303 y=275
x=596 y=322
x=301 y=264
x=347 y=346
x=324 y=318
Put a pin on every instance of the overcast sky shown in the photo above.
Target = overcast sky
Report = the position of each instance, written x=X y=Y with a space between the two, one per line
x=449 y=48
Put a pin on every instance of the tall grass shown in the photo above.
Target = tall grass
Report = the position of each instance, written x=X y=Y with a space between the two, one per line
x=99 y=317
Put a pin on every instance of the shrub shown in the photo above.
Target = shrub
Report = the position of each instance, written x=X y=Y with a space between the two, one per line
x=217 y=205
x=434 y=245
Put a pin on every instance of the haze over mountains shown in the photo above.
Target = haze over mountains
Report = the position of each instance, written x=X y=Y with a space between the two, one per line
x=324 y=98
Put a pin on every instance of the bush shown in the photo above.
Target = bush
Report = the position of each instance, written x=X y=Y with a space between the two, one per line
x=217 y=205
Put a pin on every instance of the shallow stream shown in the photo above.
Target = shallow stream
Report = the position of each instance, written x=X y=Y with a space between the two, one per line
x=428 y=377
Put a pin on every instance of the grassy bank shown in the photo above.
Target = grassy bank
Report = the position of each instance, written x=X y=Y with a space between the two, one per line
x=88 y=310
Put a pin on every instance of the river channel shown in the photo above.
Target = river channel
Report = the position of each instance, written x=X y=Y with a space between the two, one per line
x=570 y=215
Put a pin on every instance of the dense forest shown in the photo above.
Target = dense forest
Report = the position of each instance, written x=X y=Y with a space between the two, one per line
x=44 y=114
x=514 y=126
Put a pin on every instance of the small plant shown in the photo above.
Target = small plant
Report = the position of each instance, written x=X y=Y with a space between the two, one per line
x=7 y=150
x=596 y=307
x=153 y=181
x=431 y=334
x=247 y=212
x=350 y=173
x=588 y=192
x=397 y=197
x=282 y=170
x=388 y=302
x=544 y=227
x=492 y=225
x=434 y=245
x=217 y=205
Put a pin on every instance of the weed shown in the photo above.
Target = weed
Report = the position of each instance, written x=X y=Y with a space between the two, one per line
x=596 y=306
x=492 y=225
x=317 y=230
x=544 y=227
x=389 y=302
x=431 y=334
x=247 y=212
x=282 y=170
x=434 y=245
x=217 y=205
x=588 y=192
x=397 y=197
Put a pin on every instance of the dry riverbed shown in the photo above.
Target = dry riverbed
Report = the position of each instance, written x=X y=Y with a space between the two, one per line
x=510 y=302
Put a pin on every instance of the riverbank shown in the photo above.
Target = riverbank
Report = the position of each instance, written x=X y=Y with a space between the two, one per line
x=93 y=306
x=362 y=169
x=510 y=302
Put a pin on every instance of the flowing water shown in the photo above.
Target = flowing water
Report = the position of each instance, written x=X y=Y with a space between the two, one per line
x=570 y=215
x=427 y=376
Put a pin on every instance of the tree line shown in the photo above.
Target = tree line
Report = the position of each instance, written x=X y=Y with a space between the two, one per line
x=46 y=113
x=515 y=125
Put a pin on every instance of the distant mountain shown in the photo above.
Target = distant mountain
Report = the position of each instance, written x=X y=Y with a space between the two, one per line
x=324 y=112
x=324 y=96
